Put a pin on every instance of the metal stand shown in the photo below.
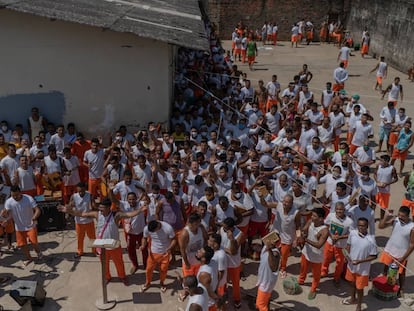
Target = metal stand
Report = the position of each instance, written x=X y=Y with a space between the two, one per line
x=103 y=303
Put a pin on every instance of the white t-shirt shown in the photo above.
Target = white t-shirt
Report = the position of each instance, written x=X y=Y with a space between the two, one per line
x=220 y=258
x=399 y=240
x=21 y=212
x=266 y=278
x=338 y=226
x=161 y=239
x=96 y=160
x=136 y=224
x=361 y=248
x=362 y=132
x=345 y=51
x=355 y=213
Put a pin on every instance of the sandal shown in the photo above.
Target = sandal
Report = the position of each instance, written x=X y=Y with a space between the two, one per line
x=311 y=295
x=163 y=289
x=181 y=297
x=144 y=288
x=27 y=262
x=348 y=302
x=283 y=274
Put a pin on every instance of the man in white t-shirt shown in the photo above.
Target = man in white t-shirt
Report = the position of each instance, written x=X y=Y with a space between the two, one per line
x=24 y=211
x=94 y=160
x=162 y=243
x=134 y=228
x=82 y=201
x=362 y=131
x=343 y=55
x=362 y=249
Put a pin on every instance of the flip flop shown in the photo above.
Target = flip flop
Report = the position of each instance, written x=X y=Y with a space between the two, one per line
x=163 y=289
x=311 y=295
x=27 y=262
x=347 y=302
x=181 y=297
x=144 y=288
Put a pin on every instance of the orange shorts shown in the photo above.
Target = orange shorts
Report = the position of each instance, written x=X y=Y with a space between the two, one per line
x=94 y=186
x=397 y=154
x=244 y=229
x=393 y=138
x=250 y=59
x=294 y=38
x=345 y=62
x=387 y=259
x=361 y=281
x=22 y=236
x=237 y=51
x=7 y=228
x=338 y=86
x=383 y=199
x=192 y=271
x=364 y=49
x=379 y=80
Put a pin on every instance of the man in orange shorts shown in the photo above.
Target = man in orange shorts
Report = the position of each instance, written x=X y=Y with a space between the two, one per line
x=24 y=211
x=400 y=244
x=384 y=176
x=295 y=35
x=361 y=250
x=404 y=143
x=340 y=75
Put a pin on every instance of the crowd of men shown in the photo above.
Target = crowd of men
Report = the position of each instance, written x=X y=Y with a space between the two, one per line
x=238 y=163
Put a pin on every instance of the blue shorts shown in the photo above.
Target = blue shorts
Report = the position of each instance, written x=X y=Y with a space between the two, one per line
x=384 y=133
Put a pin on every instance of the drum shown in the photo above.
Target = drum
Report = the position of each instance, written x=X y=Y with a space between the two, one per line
x=382 y=290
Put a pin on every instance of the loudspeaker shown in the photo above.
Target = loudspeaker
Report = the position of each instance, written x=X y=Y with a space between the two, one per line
x=24 y=291
x=50 y=218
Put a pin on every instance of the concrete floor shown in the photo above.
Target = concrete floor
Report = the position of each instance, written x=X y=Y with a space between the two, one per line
x=75 y=284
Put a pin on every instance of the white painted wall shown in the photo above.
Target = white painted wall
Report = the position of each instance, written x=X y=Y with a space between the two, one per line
x=104 y=85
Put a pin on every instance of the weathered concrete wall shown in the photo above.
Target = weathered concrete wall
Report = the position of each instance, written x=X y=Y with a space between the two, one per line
x=391 y=26
x=103 y=78
x=227 y=13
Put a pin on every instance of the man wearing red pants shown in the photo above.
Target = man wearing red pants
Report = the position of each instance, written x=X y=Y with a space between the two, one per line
x=82 y=201
x=133 y=228
x=163 y=240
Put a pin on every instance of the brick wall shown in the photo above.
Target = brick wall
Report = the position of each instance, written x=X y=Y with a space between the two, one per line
x=390 y=24
x=227 y=13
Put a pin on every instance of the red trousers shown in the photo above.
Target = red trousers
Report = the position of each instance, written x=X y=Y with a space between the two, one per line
x=285 y=253
x=262 y=300
x=116 y=256
x=330 y=251
x=81 y=230
x=233 y=274
x=134 y=242
x=153 y=261
x=316 y=271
